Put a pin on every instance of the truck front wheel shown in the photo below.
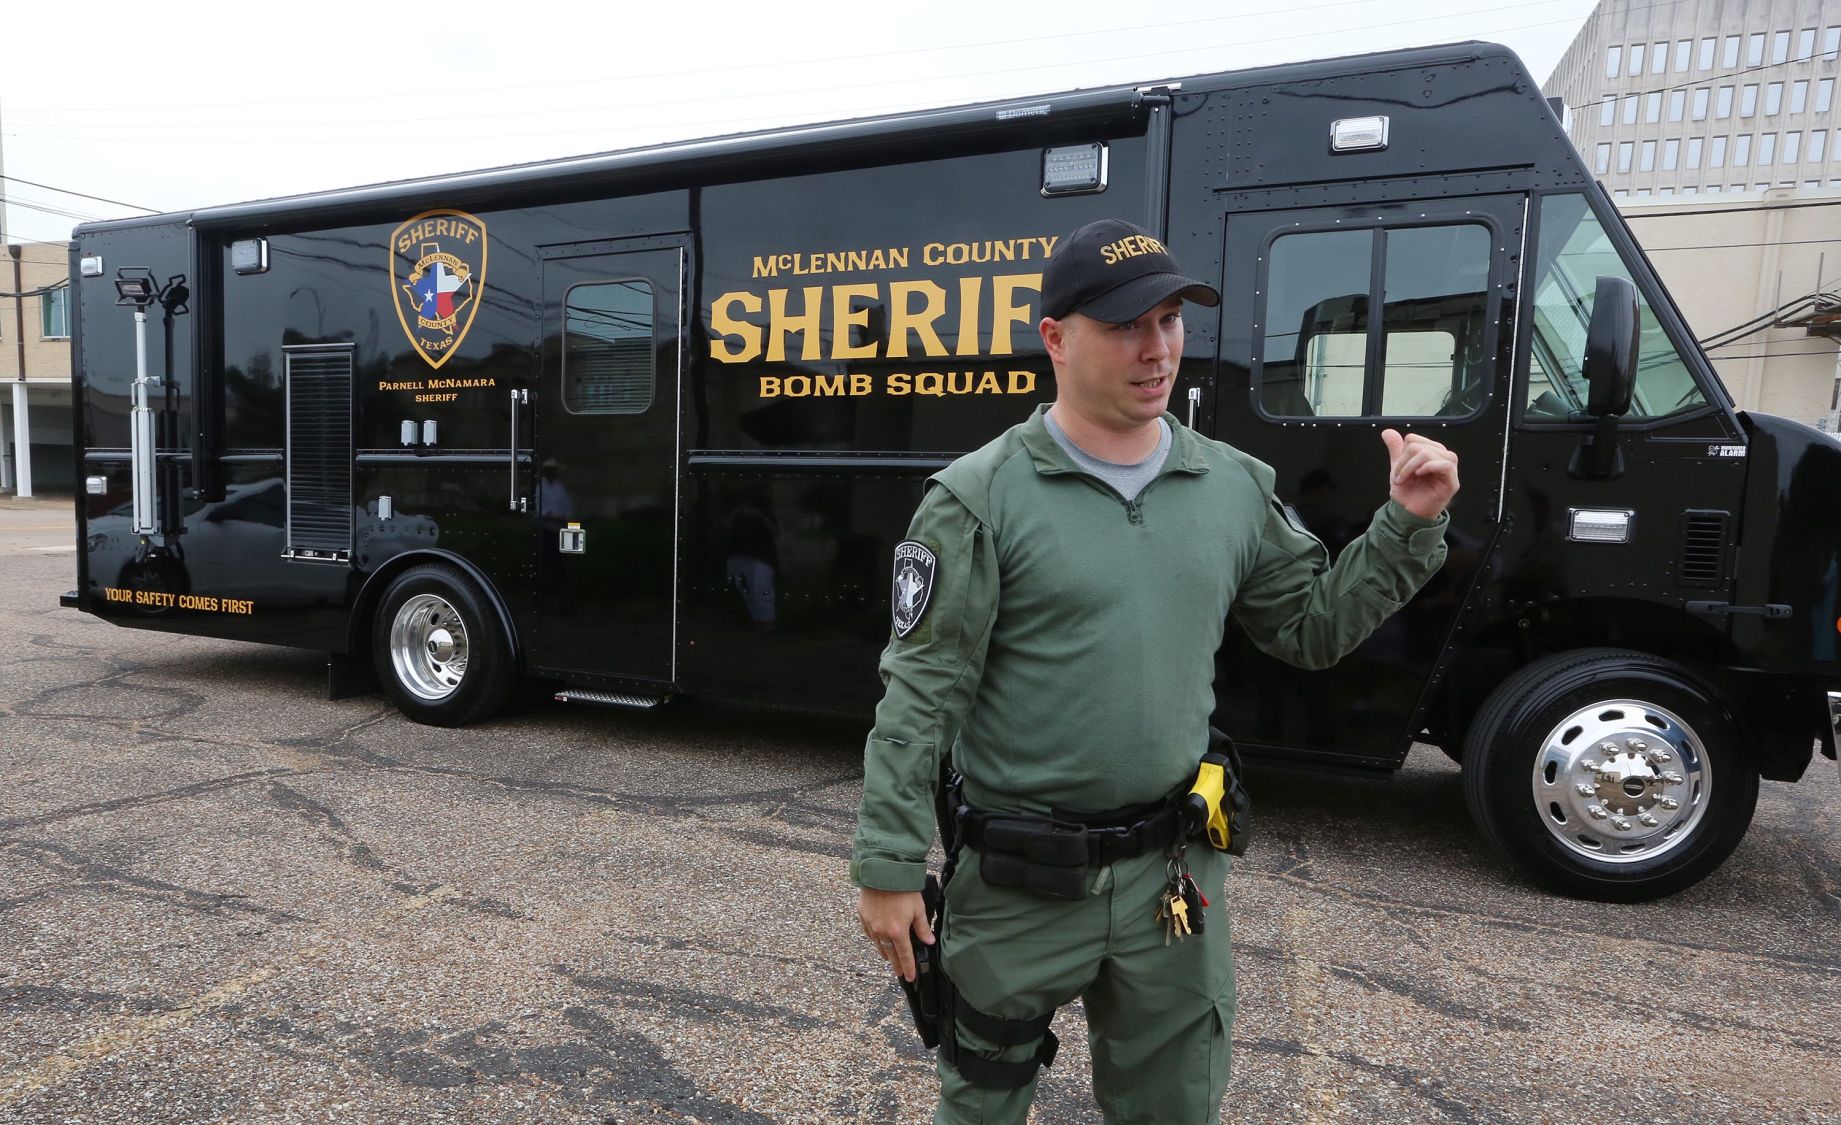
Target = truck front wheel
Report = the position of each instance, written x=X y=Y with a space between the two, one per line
x=1608 y=774
x=438 y=649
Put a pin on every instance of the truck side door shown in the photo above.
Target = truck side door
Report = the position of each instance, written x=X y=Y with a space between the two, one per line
x=1339 y=322
x=604 y=488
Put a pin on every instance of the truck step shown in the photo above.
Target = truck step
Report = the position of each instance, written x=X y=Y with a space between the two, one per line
x=631 y=700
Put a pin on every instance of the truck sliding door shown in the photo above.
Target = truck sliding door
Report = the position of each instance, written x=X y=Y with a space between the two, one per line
x=1340 y=322
x=604 y=487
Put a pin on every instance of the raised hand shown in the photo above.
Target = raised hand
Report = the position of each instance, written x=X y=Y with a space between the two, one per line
x=1422 y=474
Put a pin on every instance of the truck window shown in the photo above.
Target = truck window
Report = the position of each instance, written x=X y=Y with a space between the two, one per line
x=1574 y=253
x=1429 y=341
x=608 y=358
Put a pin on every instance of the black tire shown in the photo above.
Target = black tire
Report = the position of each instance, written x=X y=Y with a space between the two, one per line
x=439 y=650
x=1559 y=714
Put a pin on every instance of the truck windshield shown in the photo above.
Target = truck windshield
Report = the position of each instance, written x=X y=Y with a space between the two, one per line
x=1574 y=253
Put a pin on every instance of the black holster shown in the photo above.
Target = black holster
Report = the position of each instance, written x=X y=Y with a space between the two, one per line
x=938 y=1009
x=939 y=1012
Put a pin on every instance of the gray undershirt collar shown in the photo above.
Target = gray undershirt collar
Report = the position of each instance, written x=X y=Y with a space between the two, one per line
x=1127 y=480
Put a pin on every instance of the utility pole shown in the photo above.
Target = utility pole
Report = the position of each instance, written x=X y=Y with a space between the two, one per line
x=21 y=468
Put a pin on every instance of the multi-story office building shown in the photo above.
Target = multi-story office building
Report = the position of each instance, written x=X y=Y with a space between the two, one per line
x=1733 y=102
x=1687 y=97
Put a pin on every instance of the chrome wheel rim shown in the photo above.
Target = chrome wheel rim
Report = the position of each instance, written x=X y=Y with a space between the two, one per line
x=1621 y=781
x=428 y=647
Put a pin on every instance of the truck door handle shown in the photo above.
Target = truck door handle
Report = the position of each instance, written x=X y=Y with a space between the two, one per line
x=1195 y=400
x=518 y=398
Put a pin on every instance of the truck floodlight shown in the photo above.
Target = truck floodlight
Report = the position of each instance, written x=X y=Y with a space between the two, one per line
x=90 y=266
x=249 y=255
x=1358 y=134
x=134 y=287
x=1074 y=169
x=1599 y=525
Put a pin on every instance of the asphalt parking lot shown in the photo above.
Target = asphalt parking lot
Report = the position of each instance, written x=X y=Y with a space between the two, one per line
x=225 y=899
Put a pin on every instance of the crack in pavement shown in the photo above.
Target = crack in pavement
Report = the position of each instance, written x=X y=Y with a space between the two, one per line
x=92 y=873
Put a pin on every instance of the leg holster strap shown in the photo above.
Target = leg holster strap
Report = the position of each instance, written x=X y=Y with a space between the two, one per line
x=992 y=1073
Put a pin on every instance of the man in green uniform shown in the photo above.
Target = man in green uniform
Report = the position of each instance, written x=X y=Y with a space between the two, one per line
x=1057 y=607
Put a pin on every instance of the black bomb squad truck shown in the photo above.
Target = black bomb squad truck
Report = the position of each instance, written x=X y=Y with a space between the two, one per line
x=652 y=423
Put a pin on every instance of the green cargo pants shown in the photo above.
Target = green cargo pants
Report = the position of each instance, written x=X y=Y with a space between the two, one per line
x=1158 y=1017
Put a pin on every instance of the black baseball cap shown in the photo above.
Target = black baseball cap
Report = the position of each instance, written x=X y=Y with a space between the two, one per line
x=1115 y=271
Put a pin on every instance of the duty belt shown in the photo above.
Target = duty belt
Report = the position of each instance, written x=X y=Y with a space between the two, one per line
x=1051 y=854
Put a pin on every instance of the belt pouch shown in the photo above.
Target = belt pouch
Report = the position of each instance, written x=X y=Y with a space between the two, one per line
x=1035 y=855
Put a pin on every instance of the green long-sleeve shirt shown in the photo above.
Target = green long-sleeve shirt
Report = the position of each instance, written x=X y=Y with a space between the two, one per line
x=1065 y=652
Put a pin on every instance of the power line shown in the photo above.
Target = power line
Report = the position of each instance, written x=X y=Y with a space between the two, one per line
x=1689 y=85
x=82 y=217
x=78 y=194
x=1743 y=245
x=166 y=136
x=680 y=73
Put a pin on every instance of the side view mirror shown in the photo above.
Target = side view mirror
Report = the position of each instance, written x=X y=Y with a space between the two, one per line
x=1610 y=374
x=1611 y=347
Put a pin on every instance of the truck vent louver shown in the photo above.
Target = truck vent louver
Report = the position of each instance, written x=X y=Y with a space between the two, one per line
x=1705 y=546
x=319 y=434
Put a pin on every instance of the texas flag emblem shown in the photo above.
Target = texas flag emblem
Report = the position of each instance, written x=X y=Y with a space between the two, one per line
x=436 y=290
x=438 y=261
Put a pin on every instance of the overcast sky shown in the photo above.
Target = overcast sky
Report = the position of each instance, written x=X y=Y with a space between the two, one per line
x=187 y=104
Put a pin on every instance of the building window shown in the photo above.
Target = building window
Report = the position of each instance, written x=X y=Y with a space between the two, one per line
x=1716 y=153
x=1690 y=190
x=1805 y=44
x=1729 y=56
x=1714 y=189
x=1652 y=108
x=1671 y=153
x=1665 y=191
x=1799 y=95
x=1607 y=109
x=54 y=313
x=1748 y=100
x=1831 y=42
x=1620 y=193
x=1767 y=150
x=1624 y=151
x=1824 y=95
x=1780 y=47
x=1604 y=157
x=1773 y=99
x=1741 y=150
x=1754 y=49
x=1642 y=193
x=1723 y=108
x=1636 y=58
x=1648 y=161
x=1693 y=152
x=1816 y=140
x=1792 y=145
x=1700 y=103
x=1684 y=50
x=1677 y=104
x=1658 y=58
x=1705 y=61
x=1630 y=109
x=1613 y=61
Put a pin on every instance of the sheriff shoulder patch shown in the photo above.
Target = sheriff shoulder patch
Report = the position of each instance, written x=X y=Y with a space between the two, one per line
x=915 y=570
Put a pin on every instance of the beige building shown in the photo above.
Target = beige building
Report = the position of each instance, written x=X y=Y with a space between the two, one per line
x=1758 y=276
x=1734 y=103
x=35 y=407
